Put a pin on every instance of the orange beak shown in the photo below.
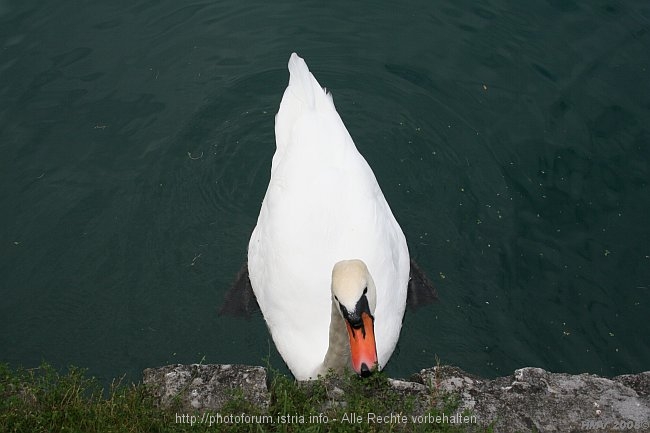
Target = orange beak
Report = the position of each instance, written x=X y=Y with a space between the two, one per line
x=362 y=345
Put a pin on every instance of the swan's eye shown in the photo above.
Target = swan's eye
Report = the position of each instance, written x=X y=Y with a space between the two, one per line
x=337 y=299
x=365 y=290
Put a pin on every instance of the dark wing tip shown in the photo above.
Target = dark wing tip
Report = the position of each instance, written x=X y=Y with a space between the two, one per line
x=420 y=289
x=240 y=299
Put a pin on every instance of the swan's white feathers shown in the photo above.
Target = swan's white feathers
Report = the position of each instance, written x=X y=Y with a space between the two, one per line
x=322 y=205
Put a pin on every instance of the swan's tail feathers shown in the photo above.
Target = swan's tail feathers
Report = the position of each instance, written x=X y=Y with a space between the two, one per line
x=304 y=85
x=303 y=94
x=301 y=81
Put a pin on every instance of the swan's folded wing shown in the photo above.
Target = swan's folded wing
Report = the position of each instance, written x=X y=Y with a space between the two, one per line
x=420 y=289
x=240 y=300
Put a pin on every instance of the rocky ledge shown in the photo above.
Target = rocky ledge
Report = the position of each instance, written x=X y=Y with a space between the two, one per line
x=530 y=400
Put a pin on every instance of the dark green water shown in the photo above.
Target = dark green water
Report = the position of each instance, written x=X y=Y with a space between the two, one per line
x=511 y=138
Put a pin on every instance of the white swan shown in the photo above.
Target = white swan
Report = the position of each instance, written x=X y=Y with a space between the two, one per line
x=327 y=260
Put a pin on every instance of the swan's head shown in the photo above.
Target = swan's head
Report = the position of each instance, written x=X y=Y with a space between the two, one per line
x=355 y=296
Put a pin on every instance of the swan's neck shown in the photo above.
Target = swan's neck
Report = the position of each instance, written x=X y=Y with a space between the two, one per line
x=337 y=357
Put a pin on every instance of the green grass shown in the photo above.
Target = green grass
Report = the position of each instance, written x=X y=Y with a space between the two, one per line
x=45 y=400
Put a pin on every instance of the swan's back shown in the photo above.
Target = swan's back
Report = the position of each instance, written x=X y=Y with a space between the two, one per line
x=323 y=205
